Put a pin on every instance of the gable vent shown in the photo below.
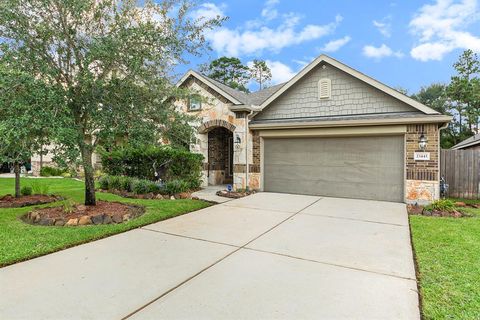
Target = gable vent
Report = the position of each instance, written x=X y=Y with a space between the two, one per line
x=324 y=88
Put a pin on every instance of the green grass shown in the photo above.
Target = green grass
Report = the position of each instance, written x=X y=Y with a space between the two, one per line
x=20 y=241
x=448 y=257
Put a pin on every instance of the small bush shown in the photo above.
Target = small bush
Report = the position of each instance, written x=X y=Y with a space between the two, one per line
x=51 y=172
x=115 y=182
x=126 y=183
x=69 y=206
x=104 y=182
x=26 y=191
x=441 y=205
x=140 y=186
x=40 y=187
x=176 y=186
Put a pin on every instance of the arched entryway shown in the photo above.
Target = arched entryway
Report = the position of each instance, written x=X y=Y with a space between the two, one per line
x=220 y=156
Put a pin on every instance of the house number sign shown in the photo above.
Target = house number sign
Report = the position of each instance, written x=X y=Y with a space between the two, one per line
x=421 y=156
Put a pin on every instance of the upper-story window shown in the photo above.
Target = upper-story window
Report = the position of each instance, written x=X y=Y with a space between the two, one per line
x=324 y=89
x=194 y=103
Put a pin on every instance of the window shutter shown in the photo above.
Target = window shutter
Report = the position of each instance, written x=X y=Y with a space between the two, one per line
x=324 y=89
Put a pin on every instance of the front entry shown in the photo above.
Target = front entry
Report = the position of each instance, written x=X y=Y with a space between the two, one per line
x=220 y=156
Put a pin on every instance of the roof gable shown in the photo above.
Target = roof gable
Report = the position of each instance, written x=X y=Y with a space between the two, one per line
x=360 y=76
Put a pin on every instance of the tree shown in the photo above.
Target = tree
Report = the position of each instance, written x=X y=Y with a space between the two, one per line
x=464 y=89
x=111 y=58
x=436 y=97
x=260 y=72
x=229 y=71
x=26 y=109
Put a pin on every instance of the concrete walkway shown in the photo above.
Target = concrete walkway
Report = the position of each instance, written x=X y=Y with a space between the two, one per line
x=210 y=194
x=274 y=256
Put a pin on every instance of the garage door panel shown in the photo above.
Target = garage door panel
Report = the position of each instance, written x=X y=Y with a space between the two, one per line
x=332 y=174
x=357 y=167
x=339 y=189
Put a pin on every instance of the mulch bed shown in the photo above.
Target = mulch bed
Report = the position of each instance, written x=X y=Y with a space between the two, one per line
x=420 y=210
x=234 y=194
x=158 y=196
x=103 y=213
x=9 y=201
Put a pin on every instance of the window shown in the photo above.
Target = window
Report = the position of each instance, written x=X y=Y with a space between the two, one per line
x=324 y=89
x=194 y=103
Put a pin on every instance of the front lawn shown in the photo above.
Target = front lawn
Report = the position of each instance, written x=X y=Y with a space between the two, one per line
x=20 y=241
x=448 y=257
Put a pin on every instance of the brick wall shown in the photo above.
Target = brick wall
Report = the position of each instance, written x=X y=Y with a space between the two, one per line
x=422 y=170
x=255 y=165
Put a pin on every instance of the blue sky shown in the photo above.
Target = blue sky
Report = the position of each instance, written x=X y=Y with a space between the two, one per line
x=405 y=44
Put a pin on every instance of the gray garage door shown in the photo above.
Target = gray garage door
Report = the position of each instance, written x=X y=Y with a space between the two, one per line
x=352 y=167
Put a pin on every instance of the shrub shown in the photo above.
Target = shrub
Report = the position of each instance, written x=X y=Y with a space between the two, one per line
x=176 y=186
x=115 y=182
x=47 y=171
x=104 y=182
x=140 y=186
x=441 y=205
x=126 y=183
x=170 y=163
x=40 y=187
x=26 y=191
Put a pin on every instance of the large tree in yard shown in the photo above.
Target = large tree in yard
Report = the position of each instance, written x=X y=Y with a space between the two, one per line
x=229 y=71
x=112 y=60
x=27 y=109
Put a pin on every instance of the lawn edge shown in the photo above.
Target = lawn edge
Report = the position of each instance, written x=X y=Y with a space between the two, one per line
x=417 y=271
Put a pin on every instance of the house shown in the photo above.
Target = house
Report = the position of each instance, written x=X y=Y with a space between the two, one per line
x=472 y=143
x=330 y=131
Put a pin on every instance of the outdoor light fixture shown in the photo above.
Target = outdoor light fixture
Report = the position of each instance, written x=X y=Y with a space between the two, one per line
x=238 y=140
x=422 y=142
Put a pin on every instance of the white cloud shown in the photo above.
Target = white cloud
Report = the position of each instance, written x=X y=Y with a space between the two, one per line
x=256 y=37
x=334 y=45
x=208 y=11
x=384 y=26
x=380 y=52
x=441 y=28
x=280 y=71
x=269 y=12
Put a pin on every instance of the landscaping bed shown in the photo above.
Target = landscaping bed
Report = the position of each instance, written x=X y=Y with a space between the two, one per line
x=234 y=194
x=9 y=201
x=79 y=215
x=443 y=208
x=150 y=195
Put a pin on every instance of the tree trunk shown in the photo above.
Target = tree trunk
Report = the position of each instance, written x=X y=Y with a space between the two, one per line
x=16 y=169
x=90 y=199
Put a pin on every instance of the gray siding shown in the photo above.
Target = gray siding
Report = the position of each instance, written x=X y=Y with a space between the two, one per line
x=349 y=96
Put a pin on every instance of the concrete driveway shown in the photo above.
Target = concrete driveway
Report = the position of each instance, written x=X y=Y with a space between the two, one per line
x=266 y=256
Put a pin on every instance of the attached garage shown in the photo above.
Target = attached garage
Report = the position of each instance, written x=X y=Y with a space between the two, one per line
x=364 y=167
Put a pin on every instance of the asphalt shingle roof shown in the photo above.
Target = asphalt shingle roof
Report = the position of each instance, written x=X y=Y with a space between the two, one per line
x=252 y=98
x=468 y=142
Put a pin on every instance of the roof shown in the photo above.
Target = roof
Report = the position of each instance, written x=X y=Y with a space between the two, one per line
x=374 y=83
x=235 y=96
x=474 y=140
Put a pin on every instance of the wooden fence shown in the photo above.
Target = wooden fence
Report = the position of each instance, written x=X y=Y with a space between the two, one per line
x=461 y=169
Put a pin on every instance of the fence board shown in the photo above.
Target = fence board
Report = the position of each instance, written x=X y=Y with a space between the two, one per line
x=460 y=168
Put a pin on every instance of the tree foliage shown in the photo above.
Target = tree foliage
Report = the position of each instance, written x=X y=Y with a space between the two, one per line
x=112 y=61
x=27 y=110
x=260 y=73
x=229 y=71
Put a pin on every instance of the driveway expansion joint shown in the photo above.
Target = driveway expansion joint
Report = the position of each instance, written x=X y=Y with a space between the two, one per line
x=213 y=264
x=354 y=219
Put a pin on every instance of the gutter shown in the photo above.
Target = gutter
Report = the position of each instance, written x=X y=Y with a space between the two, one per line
x=346 y=123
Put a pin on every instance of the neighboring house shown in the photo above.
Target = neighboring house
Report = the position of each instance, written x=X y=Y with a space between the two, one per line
x=472 y=143
x=330 y=131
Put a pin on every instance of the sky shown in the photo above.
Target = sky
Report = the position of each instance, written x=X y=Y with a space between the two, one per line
x=404 y=44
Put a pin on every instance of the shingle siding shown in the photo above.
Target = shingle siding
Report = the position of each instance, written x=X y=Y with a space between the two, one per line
x=349 y=96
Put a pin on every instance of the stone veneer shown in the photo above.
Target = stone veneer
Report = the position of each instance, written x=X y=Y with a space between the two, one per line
x=422 y=177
